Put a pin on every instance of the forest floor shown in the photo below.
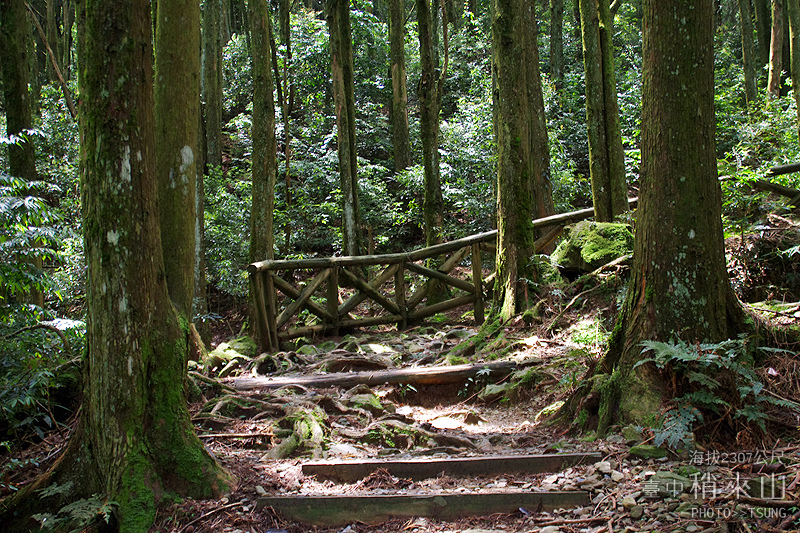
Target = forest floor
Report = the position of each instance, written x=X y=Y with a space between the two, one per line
x=721 y=486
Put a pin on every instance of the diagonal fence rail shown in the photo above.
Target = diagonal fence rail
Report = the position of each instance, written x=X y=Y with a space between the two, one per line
x=399 y=303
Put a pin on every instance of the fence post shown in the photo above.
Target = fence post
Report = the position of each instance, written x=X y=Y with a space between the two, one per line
x=271 y=296
x=400 y=294
x=332 y=301
x=477 y=281
x=261 y=323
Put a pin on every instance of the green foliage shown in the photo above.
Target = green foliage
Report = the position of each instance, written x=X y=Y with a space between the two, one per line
x=714 y=379
x=75 y=516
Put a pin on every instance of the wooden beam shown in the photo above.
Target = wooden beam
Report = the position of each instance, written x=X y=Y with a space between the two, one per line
x=788 y=192
x=440 y=307
x=293 y=293
x=369 y=291
x=477 y=281
x=358 y=297
x=435 y=375
x=435 y=274
x=293 y=307
x=335 y=511
x=424 y=468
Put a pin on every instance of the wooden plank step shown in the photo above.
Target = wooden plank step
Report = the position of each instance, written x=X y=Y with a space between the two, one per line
x=423 y=376
x=334 y=511
x=422 y=468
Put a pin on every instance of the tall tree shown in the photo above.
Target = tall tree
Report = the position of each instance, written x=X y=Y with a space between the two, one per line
x=793 y=11
x=514 y=125
x=338 y=17
x=177 y=111
x=679 y=288
x=749 y=59
x=606 y=156
x=14 y=34
x=776 y=50
x=287 y=105
x=763 y=30
x=263 y=134
x=397 y=45
x=212 y=80
x=557 y=43
x=428 y=94
x=134 y=440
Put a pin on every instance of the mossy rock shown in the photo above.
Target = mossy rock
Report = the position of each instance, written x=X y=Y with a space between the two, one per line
x=648 y=451
x=590 y=245
x=368 y=402
x=492 y=392
x=225 y=353
x=548 y=273
x=244 y=345
x=668 y=484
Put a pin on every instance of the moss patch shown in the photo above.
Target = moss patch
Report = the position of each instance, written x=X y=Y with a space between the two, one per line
x=590 y=245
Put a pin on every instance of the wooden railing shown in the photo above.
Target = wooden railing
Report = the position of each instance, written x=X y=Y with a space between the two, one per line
x=274 y=319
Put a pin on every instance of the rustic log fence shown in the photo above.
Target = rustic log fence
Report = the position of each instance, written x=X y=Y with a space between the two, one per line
x=398 y=306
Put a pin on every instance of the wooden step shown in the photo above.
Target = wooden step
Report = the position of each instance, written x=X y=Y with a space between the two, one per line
x=334 y=511
x=422 y=468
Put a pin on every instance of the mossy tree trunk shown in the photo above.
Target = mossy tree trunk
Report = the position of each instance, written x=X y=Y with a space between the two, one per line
x=513 y=121
x=338 y=17
x=606 y=156
x=14 y=35
x=763 y=31
x=287 y=107
x=177 y=108
x=212 y=80
x=776 y=50
x=134 y=441
x=679 y=287
x=263 y=133
x=557 y=43
x=749 y=58
x=428 y=94
x=397 y=43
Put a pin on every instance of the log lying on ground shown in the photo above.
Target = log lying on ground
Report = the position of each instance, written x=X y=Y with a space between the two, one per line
x=334 y=511
x=788 y=192
x=437 y=375
x=423 y=468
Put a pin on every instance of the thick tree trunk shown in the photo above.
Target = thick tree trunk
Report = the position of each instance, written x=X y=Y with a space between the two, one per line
x=427 y=91
x=776 y=50
x=679 y=286
x=338 y=17
x=212 y=81
x=263 y=133
x=135 y=439
x=748 y=52
x=51 y=28
x=761 y=9
x=606 y=156
x=177 y=108
x=287 y=105
x=68 y=19
x=400 y=135
x=793 y=10
x=511 y=28
x=557 y=43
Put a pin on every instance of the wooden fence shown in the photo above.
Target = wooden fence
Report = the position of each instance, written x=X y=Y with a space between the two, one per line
x=400 y=305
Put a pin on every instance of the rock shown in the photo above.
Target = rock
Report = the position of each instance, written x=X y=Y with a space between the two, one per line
x=550 y=529
x=636 y=512
x=632 y=434
x=590 y=245
x=615 y=439
x=603 y=467
x=616 y=477
x=667 y=484
x=344 y=450
x=307 y=349
x=628 y=503
x=493 y=392
x=260 y=490
x=765 y=487
x=686 y=506
x=647 y=451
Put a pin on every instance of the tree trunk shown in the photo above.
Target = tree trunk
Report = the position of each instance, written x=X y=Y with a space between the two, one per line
x=557 y=43
x=472 y=7
x=748 y=52
x=14 y=65
x=794 y=41
x=511 y=29
x=134 y=441
x=263 y=134
x=679 y=286
x=400 y=135
x=763 y=32
x=606 y=156
x=776 y=50
x=427 y=92
x=287 y=104
x=177 y=108
x=212 y=81
x=68 y=19
x=51 y=29
x=338 y=17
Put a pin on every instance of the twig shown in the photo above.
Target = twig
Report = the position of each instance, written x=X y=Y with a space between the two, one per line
x=47 y=327
x=212 y=382
x=206 y=515
x=575 y=299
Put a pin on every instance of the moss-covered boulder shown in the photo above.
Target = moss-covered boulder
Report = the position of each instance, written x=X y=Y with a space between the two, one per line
x=590 y=245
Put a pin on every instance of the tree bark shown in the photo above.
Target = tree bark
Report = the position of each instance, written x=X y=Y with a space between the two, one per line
x=212 y=81
x=263 y=133
x=400 y=135
x=606 y=156
x=761 y=9
x=793 y=10
x=177 y=108
x=428 y=94
x=749 y=58
x=679 y=286
x=287 y=105
x=511 y=28
x=135 y=440
x=338 y=18
x=776 y=50
x=557 y=43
